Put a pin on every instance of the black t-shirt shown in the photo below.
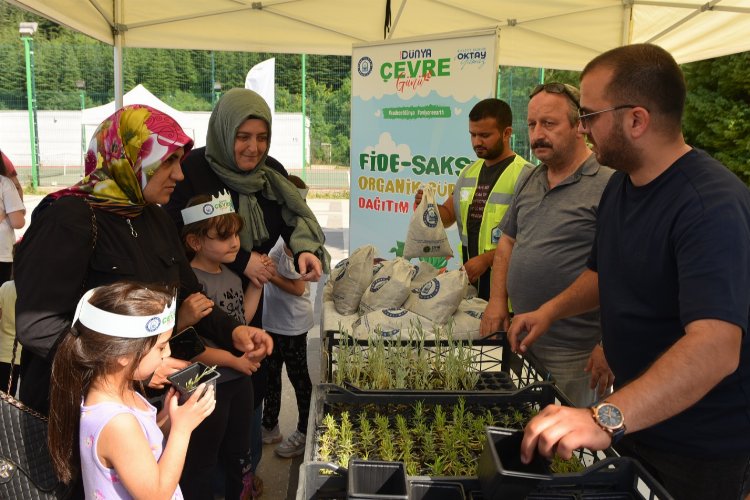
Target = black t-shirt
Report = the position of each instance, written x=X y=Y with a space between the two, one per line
x=668 y=253
x=488 y=176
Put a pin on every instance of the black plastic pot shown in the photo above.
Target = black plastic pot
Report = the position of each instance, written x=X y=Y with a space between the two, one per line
x=180 y=379
x=435 y=490
x=500 y=470
x=377 y=480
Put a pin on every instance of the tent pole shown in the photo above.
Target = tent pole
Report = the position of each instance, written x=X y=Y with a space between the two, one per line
x=304 y=120
x=117 y=31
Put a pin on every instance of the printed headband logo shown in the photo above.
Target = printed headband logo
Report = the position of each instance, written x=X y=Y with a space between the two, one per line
x=120 y=325
x=219 y=205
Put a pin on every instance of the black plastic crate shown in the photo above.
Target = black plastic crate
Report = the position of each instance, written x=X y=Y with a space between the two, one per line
x=523 y=403
x=612 y=478
x=498 y=368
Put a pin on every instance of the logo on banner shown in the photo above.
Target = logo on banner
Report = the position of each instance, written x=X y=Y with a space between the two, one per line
x=471 y=56
x=364 y=66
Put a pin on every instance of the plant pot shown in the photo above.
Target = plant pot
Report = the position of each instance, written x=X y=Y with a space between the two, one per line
x=180 y=380
x=377 y=480
x=501 y=472
x=435 y=490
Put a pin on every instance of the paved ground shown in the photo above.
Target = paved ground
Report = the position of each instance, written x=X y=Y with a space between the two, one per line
x=280 y=474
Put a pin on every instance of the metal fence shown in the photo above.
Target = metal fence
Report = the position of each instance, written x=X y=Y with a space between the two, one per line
x=70 y=78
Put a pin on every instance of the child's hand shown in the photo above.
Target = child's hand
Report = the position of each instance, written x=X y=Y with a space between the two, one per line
x=167 y=367
x=245 y=365
x=193 y=309
x=188 y=416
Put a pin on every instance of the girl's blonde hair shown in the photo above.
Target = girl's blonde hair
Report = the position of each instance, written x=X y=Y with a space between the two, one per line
x=84 y=355
x=225 y=225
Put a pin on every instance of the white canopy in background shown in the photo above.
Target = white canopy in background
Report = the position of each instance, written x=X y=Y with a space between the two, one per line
x=562 y=34
x=138 y=95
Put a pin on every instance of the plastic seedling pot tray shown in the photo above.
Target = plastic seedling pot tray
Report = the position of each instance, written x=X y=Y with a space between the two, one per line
x=377 y=480
x=180 y=380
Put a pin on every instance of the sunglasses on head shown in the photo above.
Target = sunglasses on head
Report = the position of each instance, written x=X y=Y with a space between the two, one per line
x=558 y=88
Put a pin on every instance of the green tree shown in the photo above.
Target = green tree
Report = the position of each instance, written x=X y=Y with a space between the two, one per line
x=717 y=112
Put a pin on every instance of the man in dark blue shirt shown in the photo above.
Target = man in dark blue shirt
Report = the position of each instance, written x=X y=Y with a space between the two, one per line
x=670 y=270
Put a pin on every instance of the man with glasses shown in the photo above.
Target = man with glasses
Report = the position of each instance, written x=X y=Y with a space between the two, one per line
x=483 y=190
x=670 y=270
x=546 y=237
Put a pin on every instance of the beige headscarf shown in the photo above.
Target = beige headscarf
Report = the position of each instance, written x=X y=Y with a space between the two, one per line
x=234 y=107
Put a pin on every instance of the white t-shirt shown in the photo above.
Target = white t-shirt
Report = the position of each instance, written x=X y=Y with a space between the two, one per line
x=9 y=202
x=284 y=313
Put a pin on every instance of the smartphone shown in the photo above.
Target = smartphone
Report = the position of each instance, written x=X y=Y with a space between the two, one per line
x=186 y=344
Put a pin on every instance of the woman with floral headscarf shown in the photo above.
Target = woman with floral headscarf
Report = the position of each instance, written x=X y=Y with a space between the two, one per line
x=110 y=227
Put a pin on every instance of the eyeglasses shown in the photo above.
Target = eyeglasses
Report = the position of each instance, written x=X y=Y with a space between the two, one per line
x=558 y=88
x=584 y=117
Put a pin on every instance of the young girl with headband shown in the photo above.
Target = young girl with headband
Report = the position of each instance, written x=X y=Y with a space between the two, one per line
x=211 y=237
x=119 y=336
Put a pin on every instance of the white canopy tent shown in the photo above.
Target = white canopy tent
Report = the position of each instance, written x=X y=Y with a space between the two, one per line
x=562 y=34
x=138 y=95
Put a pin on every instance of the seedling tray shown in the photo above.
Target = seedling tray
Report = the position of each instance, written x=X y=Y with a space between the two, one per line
x=612 y=478
x=507 y=408
x=499 y=368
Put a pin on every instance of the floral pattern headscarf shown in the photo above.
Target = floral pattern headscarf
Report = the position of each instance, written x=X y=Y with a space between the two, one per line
x=124 y=153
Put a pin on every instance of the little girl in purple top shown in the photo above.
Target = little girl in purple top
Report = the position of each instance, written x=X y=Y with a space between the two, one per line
x=99 y=424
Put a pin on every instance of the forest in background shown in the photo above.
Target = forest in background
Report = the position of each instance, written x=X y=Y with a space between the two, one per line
x=717 y=114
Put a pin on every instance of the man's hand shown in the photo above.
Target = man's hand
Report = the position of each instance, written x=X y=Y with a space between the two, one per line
x=254 y=342
x=495 y=318
x=257 y=269
x=418 y=197
x=309 y=267
x=560 y=430
x=535 y=323
x=476 y=266
x=167 y=367
x=602 y=377
x=193 y=309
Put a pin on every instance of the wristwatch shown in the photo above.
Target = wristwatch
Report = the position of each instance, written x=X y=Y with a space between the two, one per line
x=609 y=417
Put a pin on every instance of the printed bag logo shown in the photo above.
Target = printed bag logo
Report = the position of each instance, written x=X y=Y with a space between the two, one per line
x=395 y=312
x=389 y=332
x=379 y=283
x=430 y=216
x=340 y=269
x=429 y=289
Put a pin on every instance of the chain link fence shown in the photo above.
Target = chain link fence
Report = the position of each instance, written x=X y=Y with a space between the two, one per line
x=71 y=78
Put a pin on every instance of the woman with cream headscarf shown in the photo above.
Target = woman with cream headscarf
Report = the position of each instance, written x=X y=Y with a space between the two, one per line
x=236 y=159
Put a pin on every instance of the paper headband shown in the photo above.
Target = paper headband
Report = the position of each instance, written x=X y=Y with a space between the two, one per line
x=303 y=192
x=120 y=325
x=219 y=205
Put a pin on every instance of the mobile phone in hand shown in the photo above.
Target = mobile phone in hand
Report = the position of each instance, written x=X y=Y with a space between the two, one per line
x=186 y=344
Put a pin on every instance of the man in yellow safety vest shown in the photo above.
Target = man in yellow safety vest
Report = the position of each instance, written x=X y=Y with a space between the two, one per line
x=483 y=190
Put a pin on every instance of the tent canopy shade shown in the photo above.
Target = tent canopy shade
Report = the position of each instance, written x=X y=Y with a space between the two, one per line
x=563 y=34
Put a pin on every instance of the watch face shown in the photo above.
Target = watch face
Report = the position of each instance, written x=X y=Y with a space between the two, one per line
x=609 y=416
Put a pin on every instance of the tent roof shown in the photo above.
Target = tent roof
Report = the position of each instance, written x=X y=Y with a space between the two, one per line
x=138 y=95
x=547 y=33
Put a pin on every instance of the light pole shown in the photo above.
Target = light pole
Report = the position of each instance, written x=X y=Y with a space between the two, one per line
x=81 y=86
x=27 y=30
x=217 y=92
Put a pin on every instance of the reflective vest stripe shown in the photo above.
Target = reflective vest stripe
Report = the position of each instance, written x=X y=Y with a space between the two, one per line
x=497 y=202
